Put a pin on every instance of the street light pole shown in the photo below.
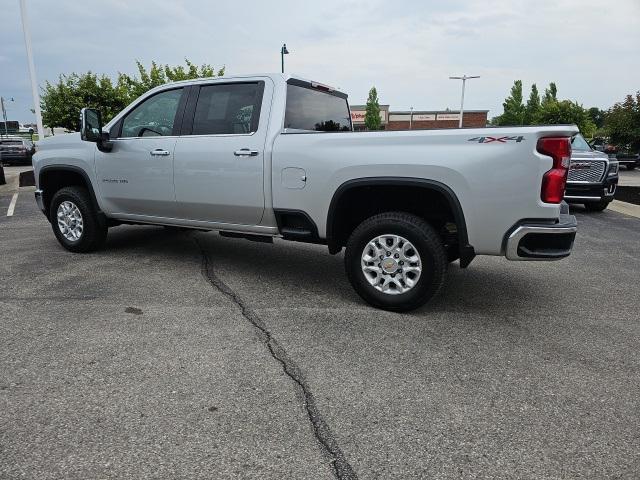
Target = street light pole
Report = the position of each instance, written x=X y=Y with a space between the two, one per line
x=283 y=52
x=464 y=79
x=32 y=69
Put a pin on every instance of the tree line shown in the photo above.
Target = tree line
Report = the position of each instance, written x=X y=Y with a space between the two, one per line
x=61 y=101
x=620 y=124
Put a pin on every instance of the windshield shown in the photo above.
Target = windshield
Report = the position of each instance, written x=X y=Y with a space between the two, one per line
x=579 y=143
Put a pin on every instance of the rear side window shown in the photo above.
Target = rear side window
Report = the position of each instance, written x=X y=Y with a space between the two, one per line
x=228 y=109
x=310 y=109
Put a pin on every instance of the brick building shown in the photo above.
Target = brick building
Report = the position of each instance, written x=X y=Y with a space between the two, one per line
x=420 y=119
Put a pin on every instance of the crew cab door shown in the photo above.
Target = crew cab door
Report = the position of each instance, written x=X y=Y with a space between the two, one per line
x=136 y=176
x=219 y=158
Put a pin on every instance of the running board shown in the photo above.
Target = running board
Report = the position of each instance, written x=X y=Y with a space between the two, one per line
x=247 y=236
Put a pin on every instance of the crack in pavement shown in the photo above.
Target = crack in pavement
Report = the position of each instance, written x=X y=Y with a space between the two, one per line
x=341 y=468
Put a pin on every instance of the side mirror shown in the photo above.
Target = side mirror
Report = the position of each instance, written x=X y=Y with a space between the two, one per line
x=90 y=125
x=91 y=129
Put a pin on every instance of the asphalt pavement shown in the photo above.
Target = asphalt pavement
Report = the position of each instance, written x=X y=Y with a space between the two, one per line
x=190 y=355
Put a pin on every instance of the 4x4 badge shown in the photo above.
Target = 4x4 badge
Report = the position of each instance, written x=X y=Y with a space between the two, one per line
x=496 y=139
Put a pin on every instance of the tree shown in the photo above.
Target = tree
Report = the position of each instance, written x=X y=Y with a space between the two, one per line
x=61 y=102
x=514 y=110
x=533 y=106
x=157 y=75
x=372 y=116
x=548 y=111
x=550 y=94
x=623 y=122
x=566 y=112
x=598 y=116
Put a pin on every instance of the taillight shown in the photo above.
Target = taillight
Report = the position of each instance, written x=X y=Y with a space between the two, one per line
x=554 y=181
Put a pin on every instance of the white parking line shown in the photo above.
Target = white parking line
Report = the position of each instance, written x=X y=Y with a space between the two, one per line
x=12 y=205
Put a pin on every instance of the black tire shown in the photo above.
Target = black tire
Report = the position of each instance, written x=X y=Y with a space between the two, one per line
x=94 y=231
x=596 y=206
x=425 y=240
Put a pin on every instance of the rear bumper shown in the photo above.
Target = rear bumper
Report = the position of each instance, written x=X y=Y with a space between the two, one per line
x=529 y=240
x=16 y=157
x=591 y=192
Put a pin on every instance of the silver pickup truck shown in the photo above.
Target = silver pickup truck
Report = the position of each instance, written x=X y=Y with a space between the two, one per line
x=264 y=156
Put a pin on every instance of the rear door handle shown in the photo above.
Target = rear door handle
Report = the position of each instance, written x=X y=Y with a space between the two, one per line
x=245 y=152
x=158 y=152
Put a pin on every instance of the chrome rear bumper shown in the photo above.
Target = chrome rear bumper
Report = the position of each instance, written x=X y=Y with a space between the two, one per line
x=540 y=241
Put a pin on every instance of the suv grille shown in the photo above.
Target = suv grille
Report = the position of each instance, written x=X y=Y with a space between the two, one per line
x=586 y=171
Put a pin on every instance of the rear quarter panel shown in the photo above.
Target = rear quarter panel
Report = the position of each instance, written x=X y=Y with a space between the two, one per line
x=497 y=183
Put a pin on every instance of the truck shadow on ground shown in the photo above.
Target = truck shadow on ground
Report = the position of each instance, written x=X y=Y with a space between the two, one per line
x=289 y=274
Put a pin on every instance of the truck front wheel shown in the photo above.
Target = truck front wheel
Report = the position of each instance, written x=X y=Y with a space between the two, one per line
x=395 y=261
x=75 y=221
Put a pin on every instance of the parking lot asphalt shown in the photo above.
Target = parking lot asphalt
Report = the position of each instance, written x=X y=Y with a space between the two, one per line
x=190 y=355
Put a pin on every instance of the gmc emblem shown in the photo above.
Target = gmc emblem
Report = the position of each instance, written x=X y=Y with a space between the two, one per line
x=580 y=166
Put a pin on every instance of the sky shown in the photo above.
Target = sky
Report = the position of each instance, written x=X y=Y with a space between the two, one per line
x=407 y=49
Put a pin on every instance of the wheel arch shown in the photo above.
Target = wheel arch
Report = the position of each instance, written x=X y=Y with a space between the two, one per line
x=52 y=178
x=335 y=212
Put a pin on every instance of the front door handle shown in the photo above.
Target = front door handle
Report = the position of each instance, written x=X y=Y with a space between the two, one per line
x=158 y=152
x=245 y=152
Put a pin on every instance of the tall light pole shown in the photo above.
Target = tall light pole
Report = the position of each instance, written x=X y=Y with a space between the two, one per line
x=32 y=69
x=283 y=52
x=464 y=79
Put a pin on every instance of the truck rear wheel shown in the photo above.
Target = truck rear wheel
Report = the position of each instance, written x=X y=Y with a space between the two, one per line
x=395 y=261
x=75 y=221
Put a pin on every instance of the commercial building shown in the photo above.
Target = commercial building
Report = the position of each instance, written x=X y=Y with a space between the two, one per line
x=419 y=119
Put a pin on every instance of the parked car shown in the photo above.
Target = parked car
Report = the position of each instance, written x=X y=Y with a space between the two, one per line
x=629 y=160
x=266 y=156
x=593 y=176
x=16 y=150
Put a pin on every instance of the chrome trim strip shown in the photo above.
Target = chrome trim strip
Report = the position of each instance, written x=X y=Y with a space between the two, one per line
x=577 y=197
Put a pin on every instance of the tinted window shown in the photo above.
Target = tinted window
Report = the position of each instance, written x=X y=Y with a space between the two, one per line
x=309 y=109
x=228 y=109
x=579 y=143
x=153 y=117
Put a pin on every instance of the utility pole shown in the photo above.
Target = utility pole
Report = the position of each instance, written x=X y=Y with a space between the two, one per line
x=32 y=69
x=464 y=79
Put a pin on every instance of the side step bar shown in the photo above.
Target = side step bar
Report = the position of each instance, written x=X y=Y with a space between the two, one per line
x=247 y=236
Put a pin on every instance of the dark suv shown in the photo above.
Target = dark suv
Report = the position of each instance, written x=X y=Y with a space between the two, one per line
x=593 y=176
x=16 y=151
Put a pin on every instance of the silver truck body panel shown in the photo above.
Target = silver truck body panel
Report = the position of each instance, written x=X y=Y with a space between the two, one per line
x=201 y=183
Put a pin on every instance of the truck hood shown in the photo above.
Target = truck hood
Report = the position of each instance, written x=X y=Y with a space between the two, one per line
x=592 y=155
x=57 y=141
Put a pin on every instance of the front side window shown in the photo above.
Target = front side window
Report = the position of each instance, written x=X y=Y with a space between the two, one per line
x=309 y=109
x=228 y=109
x=153 y=117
